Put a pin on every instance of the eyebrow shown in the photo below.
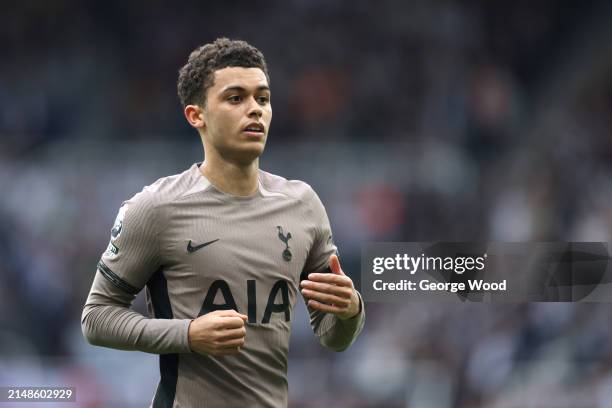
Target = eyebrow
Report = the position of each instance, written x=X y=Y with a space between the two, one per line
x=241 y=89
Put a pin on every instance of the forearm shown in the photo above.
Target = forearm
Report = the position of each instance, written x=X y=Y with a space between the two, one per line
x=335 y=333
x=124 y=329
x=108 y=321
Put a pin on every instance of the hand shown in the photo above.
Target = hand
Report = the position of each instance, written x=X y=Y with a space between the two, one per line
x=331 y=292
x=217 y=333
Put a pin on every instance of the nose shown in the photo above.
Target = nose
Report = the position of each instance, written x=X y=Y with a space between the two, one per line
x=255 y=109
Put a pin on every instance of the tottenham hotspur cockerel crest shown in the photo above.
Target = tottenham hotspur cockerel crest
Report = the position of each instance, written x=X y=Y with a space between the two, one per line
x=285 y=238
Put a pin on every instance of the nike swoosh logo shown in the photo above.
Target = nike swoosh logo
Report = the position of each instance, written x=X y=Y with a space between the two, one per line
x=191 y=248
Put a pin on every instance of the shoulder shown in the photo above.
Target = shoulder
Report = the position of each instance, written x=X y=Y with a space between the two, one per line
x=169 y=188
x=273 y=184
x=153 y=198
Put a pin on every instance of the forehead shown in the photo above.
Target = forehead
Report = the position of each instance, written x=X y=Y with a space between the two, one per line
x=239 y=76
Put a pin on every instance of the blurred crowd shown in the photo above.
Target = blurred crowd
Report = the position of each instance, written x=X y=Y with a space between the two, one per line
x=415 y=121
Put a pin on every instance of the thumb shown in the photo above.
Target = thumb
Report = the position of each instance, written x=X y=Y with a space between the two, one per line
x=334 y=265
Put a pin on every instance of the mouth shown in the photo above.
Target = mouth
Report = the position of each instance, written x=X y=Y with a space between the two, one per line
x=254 y=129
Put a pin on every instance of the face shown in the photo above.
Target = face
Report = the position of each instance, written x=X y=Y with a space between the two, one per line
x=237 y=115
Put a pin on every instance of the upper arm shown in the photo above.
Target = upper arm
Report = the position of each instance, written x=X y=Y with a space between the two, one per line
x=323 y=244
x=133 y=254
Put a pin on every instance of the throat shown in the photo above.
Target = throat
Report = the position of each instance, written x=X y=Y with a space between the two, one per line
x=232 y=180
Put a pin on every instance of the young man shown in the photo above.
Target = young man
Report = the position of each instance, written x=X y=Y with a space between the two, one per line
x=223 y=249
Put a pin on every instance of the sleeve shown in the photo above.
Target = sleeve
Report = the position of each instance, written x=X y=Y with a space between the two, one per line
x=133 y=252
x=127 y=264
x=332 y=332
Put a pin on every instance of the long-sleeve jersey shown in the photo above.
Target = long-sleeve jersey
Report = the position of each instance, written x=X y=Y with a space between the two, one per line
x=196 y=249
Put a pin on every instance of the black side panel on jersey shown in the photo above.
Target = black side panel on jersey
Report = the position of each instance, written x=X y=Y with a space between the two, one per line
x=168 y=363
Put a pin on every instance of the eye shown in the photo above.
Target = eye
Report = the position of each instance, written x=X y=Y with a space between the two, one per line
x=263 y=100
x=235 y=98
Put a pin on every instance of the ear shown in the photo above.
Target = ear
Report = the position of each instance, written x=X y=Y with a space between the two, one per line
x=195 y=116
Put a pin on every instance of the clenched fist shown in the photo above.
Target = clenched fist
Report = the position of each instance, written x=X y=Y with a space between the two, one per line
x=217 y=333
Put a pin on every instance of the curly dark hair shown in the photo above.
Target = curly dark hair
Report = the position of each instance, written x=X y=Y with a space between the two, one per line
x=197 y=75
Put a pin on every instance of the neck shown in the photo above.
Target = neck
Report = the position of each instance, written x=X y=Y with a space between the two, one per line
x=231 y=178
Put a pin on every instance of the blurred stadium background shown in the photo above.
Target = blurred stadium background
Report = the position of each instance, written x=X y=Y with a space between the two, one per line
x=415 y=121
